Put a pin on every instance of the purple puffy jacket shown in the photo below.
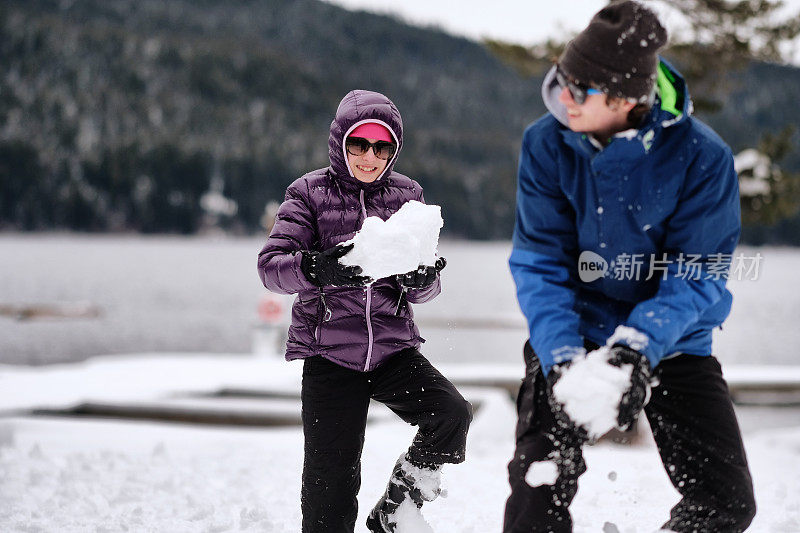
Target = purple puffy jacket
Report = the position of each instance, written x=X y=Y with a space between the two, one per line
x=355 y=327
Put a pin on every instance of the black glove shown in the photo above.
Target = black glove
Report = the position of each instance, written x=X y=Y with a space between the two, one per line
x=423 y=277
x=638 y=394
x=324 y=268
x=564 y=424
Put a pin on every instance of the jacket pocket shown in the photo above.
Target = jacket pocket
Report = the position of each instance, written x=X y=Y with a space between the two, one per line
x=413 y=331
x=322 y=315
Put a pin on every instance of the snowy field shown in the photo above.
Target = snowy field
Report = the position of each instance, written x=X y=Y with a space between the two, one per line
x=171 y=294
x=76 y=475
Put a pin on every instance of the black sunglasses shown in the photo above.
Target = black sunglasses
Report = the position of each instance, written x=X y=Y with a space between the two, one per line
x=359 y=146
x=578 y=91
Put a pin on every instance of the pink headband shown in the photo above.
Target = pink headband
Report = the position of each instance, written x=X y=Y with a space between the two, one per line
x=371 y=130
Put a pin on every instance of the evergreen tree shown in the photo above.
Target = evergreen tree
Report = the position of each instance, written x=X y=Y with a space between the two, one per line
x=723 y=38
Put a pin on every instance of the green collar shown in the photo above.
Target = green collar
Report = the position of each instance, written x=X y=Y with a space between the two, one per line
x=666 y=90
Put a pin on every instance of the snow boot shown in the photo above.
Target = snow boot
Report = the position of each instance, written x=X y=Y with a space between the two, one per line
x=406 y=482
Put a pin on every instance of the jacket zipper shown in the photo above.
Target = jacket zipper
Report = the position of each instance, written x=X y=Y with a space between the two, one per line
x=402 y=297
x=369 y=297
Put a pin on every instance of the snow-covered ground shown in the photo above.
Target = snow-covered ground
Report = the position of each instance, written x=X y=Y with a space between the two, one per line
x=70 y=474
x=164 y=294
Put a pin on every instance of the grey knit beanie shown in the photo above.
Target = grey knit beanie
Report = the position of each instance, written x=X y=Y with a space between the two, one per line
x=618 y=51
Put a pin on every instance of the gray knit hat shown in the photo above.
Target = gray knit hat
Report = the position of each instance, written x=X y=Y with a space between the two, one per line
x=618 y=51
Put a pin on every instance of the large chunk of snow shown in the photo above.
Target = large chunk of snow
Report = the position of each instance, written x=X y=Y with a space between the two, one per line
x=400 y=244
x=590 y=390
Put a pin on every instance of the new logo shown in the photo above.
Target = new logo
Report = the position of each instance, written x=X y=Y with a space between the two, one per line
x=591 y=266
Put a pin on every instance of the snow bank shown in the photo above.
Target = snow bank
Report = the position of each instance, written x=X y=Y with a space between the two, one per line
x=400 y=244
x=101 y=476
x=70 y=475
x=140 y=377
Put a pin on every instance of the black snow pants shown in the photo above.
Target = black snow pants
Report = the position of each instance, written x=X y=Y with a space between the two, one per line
x=696 y=432
x=335 y=403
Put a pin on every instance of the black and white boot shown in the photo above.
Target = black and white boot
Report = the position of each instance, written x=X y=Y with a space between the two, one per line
x=407 y=482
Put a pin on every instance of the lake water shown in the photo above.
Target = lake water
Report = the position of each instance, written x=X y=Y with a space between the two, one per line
x=200 y=294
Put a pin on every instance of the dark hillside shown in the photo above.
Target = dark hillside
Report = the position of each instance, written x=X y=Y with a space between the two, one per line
x=119 y=115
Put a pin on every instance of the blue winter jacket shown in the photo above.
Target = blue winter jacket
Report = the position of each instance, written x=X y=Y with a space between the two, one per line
x=664 y=196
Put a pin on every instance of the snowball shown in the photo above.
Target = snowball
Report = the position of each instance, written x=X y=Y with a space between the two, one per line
x=400 y=244
x=542 y=473
x=590 y=390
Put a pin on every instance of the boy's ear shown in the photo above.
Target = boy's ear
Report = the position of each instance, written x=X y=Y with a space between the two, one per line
x=620 y=103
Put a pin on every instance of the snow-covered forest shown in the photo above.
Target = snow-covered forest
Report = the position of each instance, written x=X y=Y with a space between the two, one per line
x=151 y=117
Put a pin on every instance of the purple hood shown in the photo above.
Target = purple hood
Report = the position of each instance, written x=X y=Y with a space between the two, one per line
x=359 y=328
x=356 y=108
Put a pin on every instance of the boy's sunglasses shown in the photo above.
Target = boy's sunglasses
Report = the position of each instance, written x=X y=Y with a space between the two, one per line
x=359 y=146
x=578 y=91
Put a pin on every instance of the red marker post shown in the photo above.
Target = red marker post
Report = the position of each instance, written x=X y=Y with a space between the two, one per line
x=269 y=339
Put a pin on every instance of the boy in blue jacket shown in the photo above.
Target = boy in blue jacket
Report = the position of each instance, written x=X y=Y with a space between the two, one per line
x=627 y=218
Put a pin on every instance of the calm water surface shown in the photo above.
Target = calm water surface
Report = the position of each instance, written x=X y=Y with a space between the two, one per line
x=158 y=294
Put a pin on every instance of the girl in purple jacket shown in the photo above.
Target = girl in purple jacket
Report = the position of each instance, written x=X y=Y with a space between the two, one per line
x=357 y=336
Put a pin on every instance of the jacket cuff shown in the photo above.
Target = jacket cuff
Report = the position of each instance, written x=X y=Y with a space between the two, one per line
x=418 y=296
